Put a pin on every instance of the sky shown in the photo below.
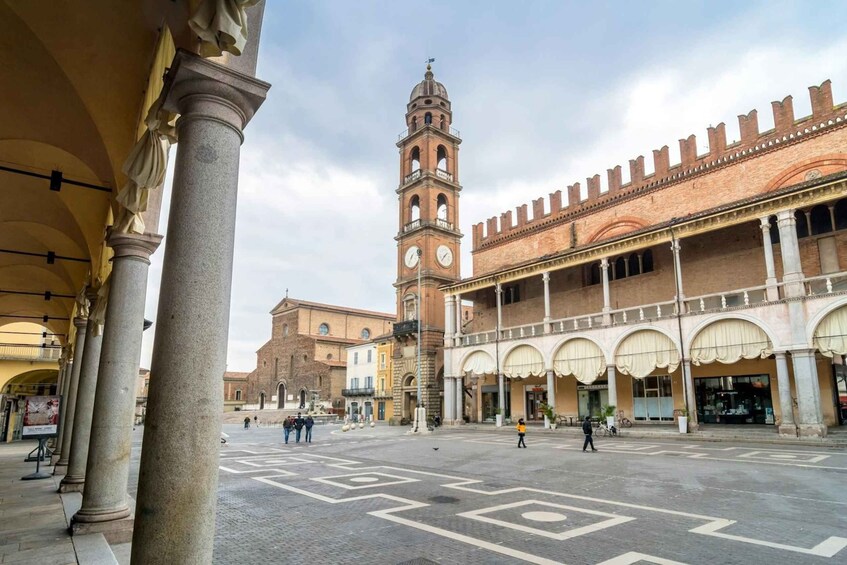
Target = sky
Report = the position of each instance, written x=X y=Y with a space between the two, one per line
x=545 y=94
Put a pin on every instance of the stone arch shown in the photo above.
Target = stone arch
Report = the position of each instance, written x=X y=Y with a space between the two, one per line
x=821 y=165
x=736 y=350
x=478 y=358
x=641 y=363
x=717 y=317
x=408 y=380
x=619 y=226
x=586 y=368
x=820 y=316
x=523 y=360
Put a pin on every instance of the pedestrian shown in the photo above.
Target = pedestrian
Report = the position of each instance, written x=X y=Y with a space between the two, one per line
x=309 y=423
x=256 y=420
x=299 y=422
x=246 y=422
x=587 y=430
x=521 y=433
x=286 y=428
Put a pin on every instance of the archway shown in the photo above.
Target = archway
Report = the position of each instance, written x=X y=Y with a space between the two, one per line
x=280 y=398
x=261 y=401
x=302 y=398
x=639 y=354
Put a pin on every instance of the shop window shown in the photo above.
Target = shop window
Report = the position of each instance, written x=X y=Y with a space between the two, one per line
x=734 y=400
x=821 y=220
x=652 y=398
x=802 y=225
x=511 y=294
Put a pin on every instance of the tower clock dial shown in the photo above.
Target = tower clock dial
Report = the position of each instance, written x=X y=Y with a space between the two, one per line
x=412 y=256
x=444 y=255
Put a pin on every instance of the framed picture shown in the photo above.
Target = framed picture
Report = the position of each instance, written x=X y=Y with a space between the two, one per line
x=41 y=417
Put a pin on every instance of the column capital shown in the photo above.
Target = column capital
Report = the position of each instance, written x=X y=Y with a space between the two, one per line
x=786 y=217
x=193 y=82
x=604 y=263
x=497 y=288
x=545 y=276
x=80 y=322
x=779 y=354
x=675 y=246
x=134 y=246
x=765 y=223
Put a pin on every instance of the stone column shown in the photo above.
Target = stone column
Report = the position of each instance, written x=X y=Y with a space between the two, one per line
x=457 y=335
x=449 y=319
x=792 y=269
x=460 y=399
x=179 y=461
x=501 y=400
x=786 y=401
x=613 y=385
x=75 y=478
x=680 y=294
x=770 y=281
x=104 y=500
x=546 y=278
x=809 y=412
x=73 y=384
x=64 y=378
x=551 y=390
x=691 y=396
x=498 y=293
x=449 y=397
x=607 y=299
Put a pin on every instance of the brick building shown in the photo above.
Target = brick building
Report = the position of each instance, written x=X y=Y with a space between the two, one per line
x=715 y=287
x=235 y=390
x=305 y=356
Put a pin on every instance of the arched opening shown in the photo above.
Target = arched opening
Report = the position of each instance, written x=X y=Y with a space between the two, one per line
x=428 y=118
x=261 y=401
x=414 y=159
x=634 y=265
x=441 y=203
x=841 y=214
x=647 y=261
x=443 y=122
x=773 y=229
x=620 y=268
x=280 y=396
x=639 y=355
x=410 y=307
x=414 y=208
x=802 y=225
x=821 y=220
x=441 y=158
x=414 y=125
x=594 y=274
x=302 y=398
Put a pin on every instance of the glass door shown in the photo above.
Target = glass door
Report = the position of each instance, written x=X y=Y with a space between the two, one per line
x=534 y=400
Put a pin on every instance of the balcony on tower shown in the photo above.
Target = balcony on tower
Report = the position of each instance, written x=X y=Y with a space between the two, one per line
x=449 y=130
x=406 y=327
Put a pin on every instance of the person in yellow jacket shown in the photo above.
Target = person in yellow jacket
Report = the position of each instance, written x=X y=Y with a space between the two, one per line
x=521 y=433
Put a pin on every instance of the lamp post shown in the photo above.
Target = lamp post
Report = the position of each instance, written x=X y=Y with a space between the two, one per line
x=419 y=309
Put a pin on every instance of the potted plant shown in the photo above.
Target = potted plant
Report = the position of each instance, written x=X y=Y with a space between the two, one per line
x=499 y=417
x=683 y=420
x=609 y=413
x=549 y=416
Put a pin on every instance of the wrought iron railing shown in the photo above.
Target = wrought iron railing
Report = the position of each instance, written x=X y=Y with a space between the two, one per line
x=357 y=391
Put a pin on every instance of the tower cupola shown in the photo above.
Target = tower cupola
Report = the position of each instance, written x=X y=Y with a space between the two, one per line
x=428 y=104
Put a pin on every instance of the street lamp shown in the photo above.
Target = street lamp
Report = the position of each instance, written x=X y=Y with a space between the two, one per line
x=418 y=305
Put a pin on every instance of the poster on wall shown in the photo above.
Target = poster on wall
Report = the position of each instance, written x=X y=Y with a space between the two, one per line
x=41 y=417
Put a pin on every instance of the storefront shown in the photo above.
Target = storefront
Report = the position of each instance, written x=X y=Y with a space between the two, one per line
x=534 y=397
x=591 y=399
x=490 y=402
x=652 y=398
x=734 y=400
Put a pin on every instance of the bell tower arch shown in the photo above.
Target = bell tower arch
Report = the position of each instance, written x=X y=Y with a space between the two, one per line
x=428 y=240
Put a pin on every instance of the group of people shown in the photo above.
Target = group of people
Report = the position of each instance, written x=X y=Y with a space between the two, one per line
x=587 y=429
x=298 y=424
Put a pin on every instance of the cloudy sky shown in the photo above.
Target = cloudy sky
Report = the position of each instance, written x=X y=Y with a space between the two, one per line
x=545 y=93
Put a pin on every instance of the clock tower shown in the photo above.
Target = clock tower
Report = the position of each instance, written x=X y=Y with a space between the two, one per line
x=427 y=245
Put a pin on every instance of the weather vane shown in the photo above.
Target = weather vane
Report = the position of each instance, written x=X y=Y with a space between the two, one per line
x=430 y=60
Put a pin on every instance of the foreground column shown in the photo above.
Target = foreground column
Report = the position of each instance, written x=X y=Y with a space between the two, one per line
x=104 y=502
x=809 y=412
x=786 y=403
x=64 y=377
x=792 y=269
x=460 y=399
x=449 y=397
x=691 y=396
x=545 y=277
x=613 y=385
x=177 y=485
x=90 y=362
x=70 y=406
x=607 y=299
x=770 y=270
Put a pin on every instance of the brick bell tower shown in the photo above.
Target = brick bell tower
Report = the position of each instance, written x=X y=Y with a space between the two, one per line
x=428 y=240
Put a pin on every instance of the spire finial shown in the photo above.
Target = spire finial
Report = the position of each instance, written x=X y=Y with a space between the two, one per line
x=429 y=62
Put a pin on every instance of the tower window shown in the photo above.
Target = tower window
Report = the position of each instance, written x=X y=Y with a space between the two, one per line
x=415 y=159
x=442 y=207
x=443 y=123
x=428 y=101
x=409 y=307
x=441 y=158
x=414 y=208
x=428 y=118
x=414 y=126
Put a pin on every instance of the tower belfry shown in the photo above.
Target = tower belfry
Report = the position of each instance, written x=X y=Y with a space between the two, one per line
x=428 y=241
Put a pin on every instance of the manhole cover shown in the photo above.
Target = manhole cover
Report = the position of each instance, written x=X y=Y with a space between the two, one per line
x=419 y=561
x=444 y=499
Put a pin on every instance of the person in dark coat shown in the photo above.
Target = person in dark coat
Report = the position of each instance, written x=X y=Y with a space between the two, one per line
x=308 y=423
x=286 y=428
x=299 y=422
x=588 y=430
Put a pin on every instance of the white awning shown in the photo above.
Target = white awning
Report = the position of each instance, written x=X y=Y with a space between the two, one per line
x=831 y=334
x=479 y=363
x=728 y=341
x=581 y=358
x=644 y=351
x=523 y=361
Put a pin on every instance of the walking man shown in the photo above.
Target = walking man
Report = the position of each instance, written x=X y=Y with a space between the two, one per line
x=308 y=424
x=299 y=422
x=286 y=428
x=587 y=430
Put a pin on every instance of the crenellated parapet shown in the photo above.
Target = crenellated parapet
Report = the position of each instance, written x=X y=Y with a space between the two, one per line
x=786 y=131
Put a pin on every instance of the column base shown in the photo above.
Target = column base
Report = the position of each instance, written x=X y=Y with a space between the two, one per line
x=71 y=484
x=55 y=458
x=811 y=430
x=115 y=531
x=787 y=430
x=60 y=468
x=693 y=426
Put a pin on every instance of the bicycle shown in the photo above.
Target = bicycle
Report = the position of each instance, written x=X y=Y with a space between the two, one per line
x=623 y=420
x=604 y=428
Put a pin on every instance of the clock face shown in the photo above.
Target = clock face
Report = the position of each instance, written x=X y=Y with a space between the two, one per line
x=411 y=256
x=444 y=255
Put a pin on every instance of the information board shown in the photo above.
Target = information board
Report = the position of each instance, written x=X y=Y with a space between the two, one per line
x=41 y=417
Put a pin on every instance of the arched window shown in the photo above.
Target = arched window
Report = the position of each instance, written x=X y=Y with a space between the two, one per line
x=594 y=274
x=284 y=330
x=647 y=262
x=323 y=329
x=802 y=225
x=774 y=230
x=821 y=220
x=442 y=207
x=414 y=125
x=409 y=307
x=428 y=118
x=366 y=333
x=441 y=158
x=841 y=214
x=414 y=208
x=443 y=123
x=634 y=266
x=415 y=158
x=620 y=268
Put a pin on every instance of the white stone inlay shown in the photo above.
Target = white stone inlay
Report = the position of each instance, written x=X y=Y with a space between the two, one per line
x=540 y=516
